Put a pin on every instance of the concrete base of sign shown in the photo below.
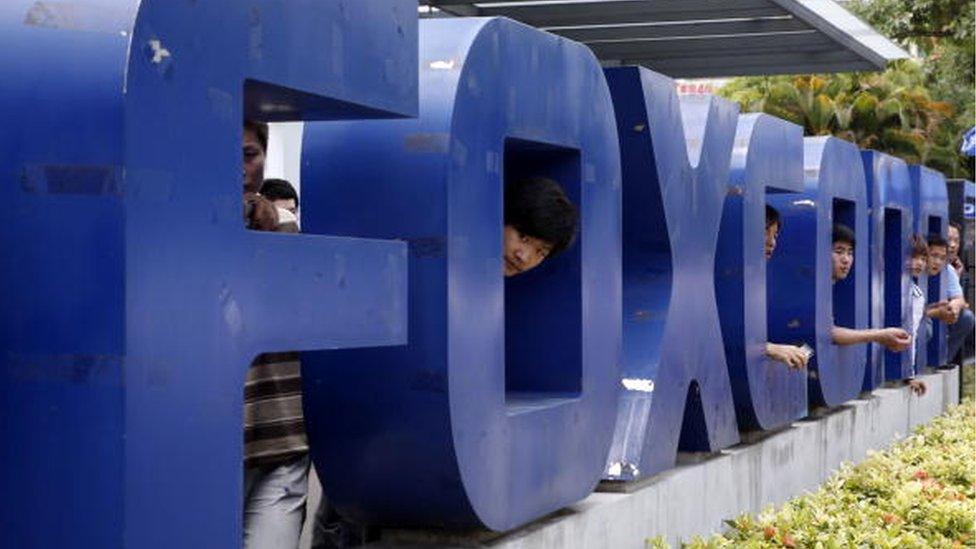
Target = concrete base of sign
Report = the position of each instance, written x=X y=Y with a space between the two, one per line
x=694 y=498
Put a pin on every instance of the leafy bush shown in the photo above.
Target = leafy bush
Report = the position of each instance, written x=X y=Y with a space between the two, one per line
x=968 y=374
x=920 y=493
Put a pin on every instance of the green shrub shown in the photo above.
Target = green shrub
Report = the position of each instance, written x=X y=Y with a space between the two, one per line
x=920 y=493
x=968 y=374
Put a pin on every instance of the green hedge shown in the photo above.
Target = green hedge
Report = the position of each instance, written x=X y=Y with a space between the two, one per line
x=920 y=493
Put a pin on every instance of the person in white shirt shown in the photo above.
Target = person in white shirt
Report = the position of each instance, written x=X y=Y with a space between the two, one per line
x=917 y=267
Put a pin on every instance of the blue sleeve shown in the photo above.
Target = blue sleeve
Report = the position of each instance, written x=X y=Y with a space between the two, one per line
x=953 y=288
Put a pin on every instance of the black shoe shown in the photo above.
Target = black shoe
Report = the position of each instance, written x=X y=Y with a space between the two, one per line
x=947 y=367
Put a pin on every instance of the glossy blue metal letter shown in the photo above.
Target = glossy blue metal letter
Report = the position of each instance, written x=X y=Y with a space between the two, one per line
x=931 y=217
x=133 y=299
x=675 y=172
x=767 y=157
x=889 y=194
x=835 y=192
x=962 y=202
x=500 y=409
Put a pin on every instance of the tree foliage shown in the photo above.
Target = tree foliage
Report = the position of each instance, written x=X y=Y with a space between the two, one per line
x=944 y=33
x=916 y=109
x=922 y=22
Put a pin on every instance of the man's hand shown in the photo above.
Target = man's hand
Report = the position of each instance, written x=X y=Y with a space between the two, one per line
x=955 y=307
x=894 y=339
x=939 y=311
x=794 y=357
x=917 y=386
x=957 y=264
x=259 y=213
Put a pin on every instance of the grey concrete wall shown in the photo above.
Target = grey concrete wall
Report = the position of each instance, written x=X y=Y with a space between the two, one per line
x=695 y=498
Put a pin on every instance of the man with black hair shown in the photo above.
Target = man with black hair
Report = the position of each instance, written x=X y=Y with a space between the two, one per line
x=773 y=225
x=841 y=252
x=793 y=356
x=842 y=260
x=960 y=317
x=284 y=197
x=255 y=150
x=540 y=222
x=953 y=240
x=281 y=193
x=259 y=213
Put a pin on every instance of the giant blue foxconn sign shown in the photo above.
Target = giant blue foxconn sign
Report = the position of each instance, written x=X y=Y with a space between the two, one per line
x=437 y=394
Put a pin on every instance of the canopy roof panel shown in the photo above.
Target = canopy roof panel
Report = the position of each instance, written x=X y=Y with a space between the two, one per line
x=703 y=38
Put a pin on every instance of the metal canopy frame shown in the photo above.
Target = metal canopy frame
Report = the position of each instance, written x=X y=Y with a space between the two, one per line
x=703 y=38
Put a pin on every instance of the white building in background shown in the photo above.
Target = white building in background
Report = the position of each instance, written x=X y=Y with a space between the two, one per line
x=284 y=158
